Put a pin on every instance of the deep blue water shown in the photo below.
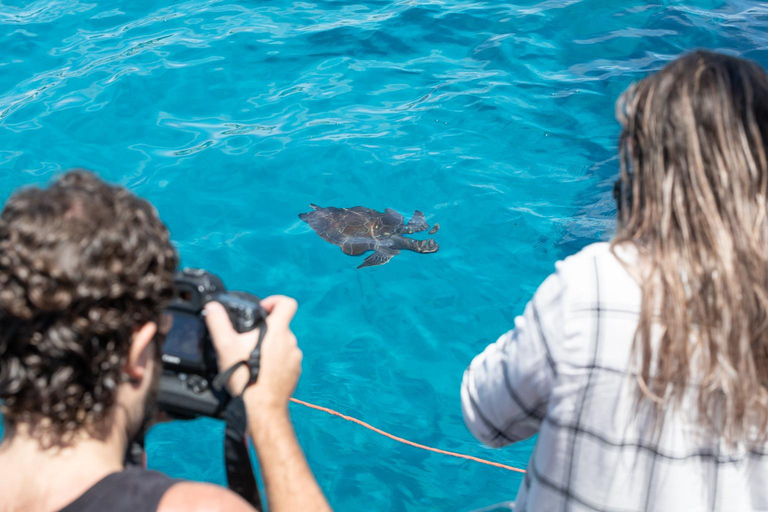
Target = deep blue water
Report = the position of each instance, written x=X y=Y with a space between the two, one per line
x=495 y=119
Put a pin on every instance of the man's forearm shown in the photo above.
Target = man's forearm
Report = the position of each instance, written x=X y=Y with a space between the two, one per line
x=289 y=482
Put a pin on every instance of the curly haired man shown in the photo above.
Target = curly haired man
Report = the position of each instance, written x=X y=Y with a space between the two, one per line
x=86 y=269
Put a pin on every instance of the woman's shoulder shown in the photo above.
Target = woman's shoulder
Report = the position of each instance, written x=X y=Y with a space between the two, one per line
x=600 y=272
x=599 y=255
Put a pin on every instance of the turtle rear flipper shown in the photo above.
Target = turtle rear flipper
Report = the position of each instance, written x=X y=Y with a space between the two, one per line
x=380 y=257
x=418 y=222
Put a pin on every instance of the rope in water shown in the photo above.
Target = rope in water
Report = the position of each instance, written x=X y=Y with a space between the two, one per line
x=405 y=441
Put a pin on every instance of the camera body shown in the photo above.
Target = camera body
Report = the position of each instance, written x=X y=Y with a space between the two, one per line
x=189 y=358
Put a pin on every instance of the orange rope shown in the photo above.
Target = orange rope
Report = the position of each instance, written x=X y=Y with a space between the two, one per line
x=405 y=441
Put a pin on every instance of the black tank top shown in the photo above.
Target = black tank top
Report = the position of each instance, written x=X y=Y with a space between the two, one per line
x=132 y=490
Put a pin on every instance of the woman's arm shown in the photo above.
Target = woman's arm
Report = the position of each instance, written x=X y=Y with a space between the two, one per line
x=506 y=388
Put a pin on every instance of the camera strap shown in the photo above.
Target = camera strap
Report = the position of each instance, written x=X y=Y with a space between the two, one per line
x=240 y=476
x=253 y=362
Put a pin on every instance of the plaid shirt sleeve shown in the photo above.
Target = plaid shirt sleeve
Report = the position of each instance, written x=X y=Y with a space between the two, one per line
x=505 y=390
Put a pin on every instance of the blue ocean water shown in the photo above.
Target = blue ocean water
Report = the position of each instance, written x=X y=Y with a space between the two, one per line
x=494 y=118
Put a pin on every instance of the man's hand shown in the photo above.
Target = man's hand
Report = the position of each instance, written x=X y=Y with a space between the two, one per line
x=288 y=480
x=280 y=356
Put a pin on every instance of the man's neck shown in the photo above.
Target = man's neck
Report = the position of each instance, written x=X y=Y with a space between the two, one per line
x=34 y=477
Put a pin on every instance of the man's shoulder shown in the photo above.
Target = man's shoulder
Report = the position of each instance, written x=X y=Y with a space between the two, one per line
x=199 y=497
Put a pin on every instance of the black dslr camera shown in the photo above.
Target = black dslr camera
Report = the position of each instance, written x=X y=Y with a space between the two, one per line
x=189 y=359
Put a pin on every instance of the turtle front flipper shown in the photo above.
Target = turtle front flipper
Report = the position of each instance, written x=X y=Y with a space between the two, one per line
x=417 y=222
x=380 y=257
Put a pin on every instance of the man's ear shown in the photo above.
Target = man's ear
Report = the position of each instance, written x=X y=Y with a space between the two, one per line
x=141 y=351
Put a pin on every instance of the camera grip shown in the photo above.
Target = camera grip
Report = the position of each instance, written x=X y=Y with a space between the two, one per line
x=243 y=309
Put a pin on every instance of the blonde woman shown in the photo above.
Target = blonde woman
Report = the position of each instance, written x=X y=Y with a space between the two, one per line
x=642 y=363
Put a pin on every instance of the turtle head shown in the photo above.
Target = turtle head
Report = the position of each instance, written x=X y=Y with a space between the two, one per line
x=428 y=246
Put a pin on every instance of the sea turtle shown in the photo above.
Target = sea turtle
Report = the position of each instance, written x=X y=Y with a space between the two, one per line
x=358 y=230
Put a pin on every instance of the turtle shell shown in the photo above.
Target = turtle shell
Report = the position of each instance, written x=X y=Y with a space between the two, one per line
x=358 y=224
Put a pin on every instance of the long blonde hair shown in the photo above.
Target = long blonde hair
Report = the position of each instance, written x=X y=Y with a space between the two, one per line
x=692 y=199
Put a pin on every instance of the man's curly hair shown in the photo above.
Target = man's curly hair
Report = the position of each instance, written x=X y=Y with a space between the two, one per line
x=83 y=265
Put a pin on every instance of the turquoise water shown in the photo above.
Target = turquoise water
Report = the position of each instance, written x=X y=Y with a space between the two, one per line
x=495 y=119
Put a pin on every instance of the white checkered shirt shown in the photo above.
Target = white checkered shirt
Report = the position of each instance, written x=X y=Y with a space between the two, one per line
x=563 y=373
